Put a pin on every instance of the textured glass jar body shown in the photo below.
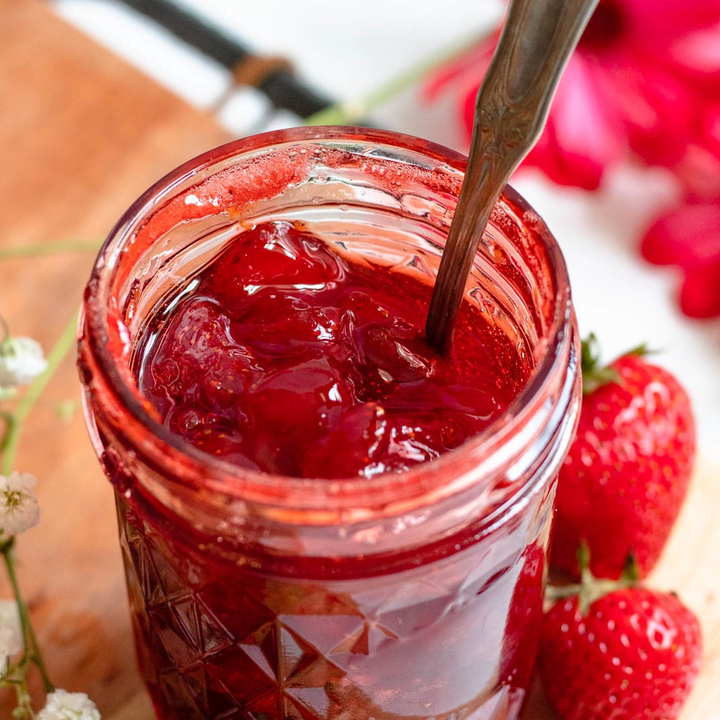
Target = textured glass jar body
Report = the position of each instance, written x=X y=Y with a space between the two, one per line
x=415 y=595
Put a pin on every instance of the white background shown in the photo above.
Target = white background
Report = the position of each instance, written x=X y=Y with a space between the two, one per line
x=346 y=50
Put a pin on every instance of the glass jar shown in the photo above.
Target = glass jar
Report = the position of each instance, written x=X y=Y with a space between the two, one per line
x=416 y=595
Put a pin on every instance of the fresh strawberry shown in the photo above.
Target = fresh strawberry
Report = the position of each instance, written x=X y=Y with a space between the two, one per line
x=634 y=653
x=627 y=473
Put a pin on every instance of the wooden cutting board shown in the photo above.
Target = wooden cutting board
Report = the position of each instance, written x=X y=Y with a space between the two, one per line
x=81 y=135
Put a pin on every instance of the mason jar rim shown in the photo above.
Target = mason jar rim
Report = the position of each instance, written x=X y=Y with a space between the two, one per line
x=186 y=464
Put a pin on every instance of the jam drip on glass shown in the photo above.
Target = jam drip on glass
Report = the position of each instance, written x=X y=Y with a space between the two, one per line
x=289 y=358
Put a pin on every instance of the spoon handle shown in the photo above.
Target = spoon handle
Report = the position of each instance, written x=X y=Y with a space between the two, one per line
x=512 y=106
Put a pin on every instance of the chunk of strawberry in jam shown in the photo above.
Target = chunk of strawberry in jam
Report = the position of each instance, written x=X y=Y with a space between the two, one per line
x=197 y=329
x=418 y=436
x=389 y=354
x=199 y=375
x=272 y=255
x=291 y=406
x=478 y=403
x=360 y=432
x=367 y=308
x=213 y=434
x=285 y=324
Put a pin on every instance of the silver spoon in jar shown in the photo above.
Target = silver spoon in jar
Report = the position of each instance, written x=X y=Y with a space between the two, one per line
x=511 y=109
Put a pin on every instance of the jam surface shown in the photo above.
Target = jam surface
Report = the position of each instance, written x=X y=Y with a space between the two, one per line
x=289 y=358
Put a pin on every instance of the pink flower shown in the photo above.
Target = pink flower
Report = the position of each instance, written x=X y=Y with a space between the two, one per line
x=698 y=168
x=640 y=80
x=688 y=236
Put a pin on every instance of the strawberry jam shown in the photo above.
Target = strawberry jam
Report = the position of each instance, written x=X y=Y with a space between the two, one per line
x=291 y=359
x=320 y=517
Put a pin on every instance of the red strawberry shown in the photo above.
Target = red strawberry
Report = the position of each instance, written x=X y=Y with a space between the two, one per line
x=627 y=473
x=634 y=654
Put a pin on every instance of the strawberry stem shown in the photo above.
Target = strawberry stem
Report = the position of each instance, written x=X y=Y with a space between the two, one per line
x=590 y=588
x=631 y=570
x=640 y=350
x=594 y=375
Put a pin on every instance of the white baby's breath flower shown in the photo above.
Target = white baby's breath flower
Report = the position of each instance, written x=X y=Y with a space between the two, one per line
x=21 y=361
x=10 y=632
x=19 y=509
x=62 y=705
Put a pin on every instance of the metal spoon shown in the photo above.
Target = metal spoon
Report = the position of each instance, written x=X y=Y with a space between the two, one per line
x=512 y=106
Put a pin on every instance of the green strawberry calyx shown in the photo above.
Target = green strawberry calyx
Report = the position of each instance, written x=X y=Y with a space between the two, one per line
x=594 y=374
x=590 y=588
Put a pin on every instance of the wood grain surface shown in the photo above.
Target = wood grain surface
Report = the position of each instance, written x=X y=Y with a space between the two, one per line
x=81 y=135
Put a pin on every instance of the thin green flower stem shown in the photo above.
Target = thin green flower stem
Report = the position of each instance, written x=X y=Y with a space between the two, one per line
x=9 y=419
x=54 y=248
x=22 y=700
x=29 y=638
x=352 y=111
x=9 y=446
x=34 y=391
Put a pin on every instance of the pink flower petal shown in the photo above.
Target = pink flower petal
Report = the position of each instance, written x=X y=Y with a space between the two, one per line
x=710 y=128
x=660 y=112
x=698 y=53
x=688 y=236
x=563 y=168
x=652 y=21
x=699 y=172
x=700 y=292
x=698 y=169
x=468 y=108
x=583 y=135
